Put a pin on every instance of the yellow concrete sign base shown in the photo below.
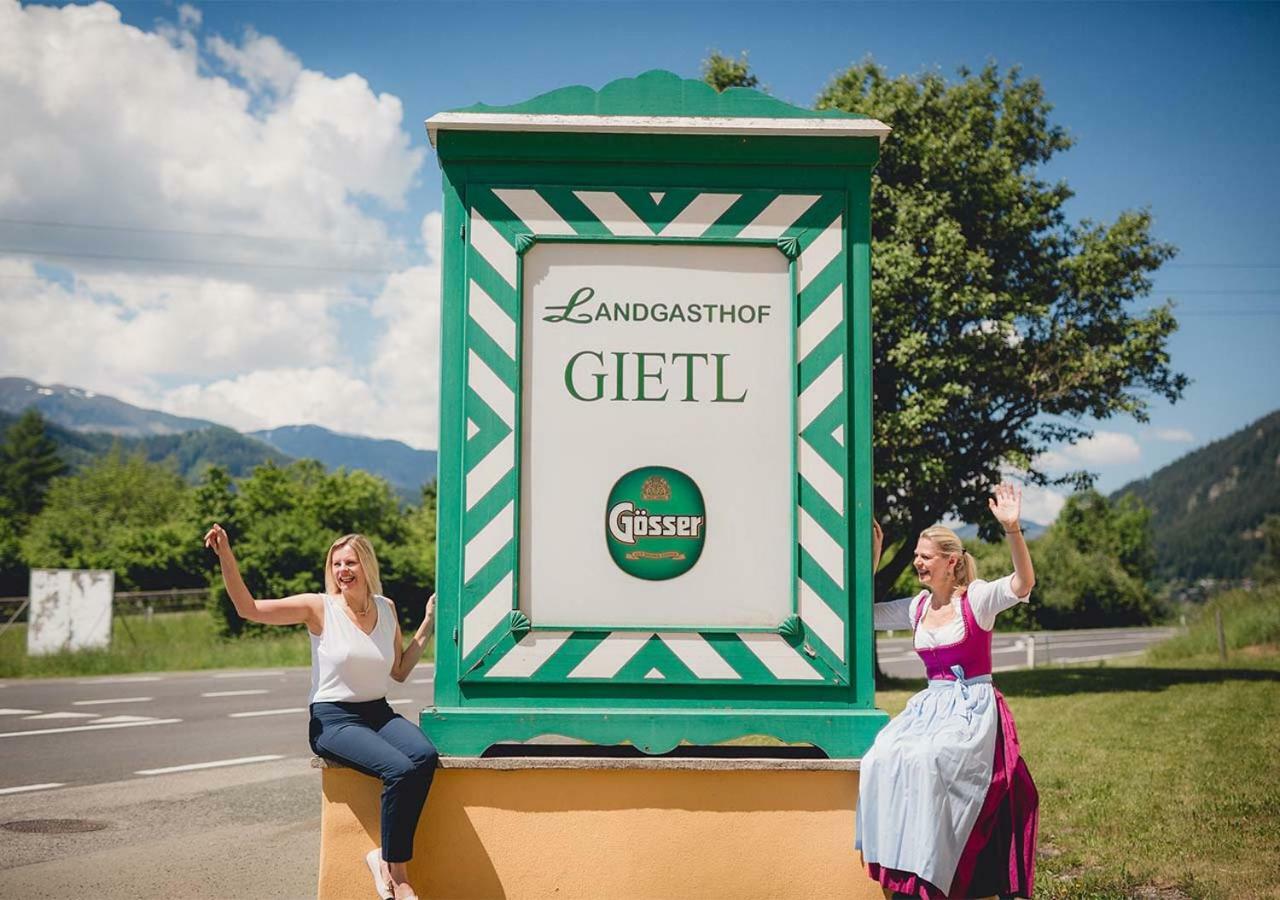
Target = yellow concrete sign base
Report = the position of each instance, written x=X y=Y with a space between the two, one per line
x=597 y=828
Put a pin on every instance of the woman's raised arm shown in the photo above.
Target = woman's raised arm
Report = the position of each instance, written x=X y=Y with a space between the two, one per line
x=300 y=609
x=408 y=657
x=1006 y=506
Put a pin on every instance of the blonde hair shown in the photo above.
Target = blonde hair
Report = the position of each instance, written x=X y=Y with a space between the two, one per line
x=948 y=542
x=368 y=562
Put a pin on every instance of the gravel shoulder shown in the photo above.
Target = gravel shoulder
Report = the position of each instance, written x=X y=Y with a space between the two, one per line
x=248 y=831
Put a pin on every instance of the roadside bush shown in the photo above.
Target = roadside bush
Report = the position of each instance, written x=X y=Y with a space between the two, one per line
x=1249 y=618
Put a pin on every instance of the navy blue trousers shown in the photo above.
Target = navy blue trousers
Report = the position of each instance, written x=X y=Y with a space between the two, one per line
x=371 y=738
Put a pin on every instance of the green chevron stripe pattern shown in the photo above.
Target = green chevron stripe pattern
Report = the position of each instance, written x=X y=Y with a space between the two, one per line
x=497 y=643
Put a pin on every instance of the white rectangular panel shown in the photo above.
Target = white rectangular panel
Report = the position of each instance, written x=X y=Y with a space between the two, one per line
x=721 y=412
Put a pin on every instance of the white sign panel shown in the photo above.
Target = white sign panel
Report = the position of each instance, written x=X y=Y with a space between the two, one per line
x=657 y=436
x=70 y=610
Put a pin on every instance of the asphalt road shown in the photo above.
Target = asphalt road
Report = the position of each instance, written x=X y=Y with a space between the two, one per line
x=79 y=731
x=1009 y=651
x=198 y=783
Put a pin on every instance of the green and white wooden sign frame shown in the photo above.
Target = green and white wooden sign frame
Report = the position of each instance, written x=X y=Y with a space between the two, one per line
x=655 y=161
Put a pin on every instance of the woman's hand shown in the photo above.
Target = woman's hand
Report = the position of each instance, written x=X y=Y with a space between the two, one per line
x=216 y=539
x=429 y=620
x=877 y=544
x=407 y=657
x=1006 y=505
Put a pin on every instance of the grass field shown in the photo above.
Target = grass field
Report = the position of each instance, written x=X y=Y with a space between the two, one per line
x=1157 y=780
x=1249 y=619
x=165 y=643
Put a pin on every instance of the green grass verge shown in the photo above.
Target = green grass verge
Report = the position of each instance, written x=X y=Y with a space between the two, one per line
x=1156 y=780
x=1249 y=619
x=167 y=643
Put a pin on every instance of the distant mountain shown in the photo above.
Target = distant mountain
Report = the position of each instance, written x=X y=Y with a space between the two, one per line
x=96 y=419
x=1031 y=529
x=400 y=464
x=190 y=453
x=1206 y=508
x=82 y=410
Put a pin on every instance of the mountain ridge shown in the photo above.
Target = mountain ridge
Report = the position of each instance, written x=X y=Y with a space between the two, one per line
x=196 y=442
x=1207 y=506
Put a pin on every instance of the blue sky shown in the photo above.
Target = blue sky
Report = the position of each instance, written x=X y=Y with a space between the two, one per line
x=1173 y=108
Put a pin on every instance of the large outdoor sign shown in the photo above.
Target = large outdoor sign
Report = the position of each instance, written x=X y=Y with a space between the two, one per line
x=657 y=400
x=654 y=465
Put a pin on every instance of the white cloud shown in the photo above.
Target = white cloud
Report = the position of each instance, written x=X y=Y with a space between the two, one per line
x=119 y=336
x=225 y=205
x=406 y=366
x=1041 y=504
x=1104 y=448
x=432 y=239
x=270 y=398
x=398 y=398
x=259 y=60
x=109 y=125
x=1174 y=435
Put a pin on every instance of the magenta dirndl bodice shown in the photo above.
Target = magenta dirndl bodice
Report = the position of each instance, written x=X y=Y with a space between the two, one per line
x=971 y=655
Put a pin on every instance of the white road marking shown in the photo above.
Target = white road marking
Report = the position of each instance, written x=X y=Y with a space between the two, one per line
x=23 y=788
x=94 y=727
x=422 y=681
x=103 y=721
x=402 y=700
x=248 y=674
x=191 y=767
x=18 y=712
x=112 y=700
x=133 y=679
x=62 y=715
x=267 y=712
x=235 y=693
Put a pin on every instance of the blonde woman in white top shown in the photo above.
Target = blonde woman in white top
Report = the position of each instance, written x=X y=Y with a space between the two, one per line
x=356 y=646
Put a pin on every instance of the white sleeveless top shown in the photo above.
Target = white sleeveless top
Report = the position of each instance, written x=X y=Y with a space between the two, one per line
x=348 y=665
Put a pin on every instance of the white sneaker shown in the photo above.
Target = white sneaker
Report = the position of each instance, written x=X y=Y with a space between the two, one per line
x=380 y=884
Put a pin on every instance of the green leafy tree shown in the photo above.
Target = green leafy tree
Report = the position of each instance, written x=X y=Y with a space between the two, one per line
x=1267 y=569
x=1094 y=565
x=721 y=72
x=1000 y=327
x=120 y=513
x=29 y=460
x=1118 y=528
x=283 y=519
x=13 y=569
x=413 y=560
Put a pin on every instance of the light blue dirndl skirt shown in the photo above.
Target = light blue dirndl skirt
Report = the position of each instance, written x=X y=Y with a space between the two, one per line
x=923 y=783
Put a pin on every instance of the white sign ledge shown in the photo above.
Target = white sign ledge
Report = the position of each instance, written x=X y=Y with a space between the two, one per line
x=660 y=763
x=479 y=121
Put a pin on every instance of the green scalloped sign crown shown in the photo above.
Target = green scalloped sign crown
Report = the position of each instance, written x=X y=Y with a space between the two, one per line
x=659 y=93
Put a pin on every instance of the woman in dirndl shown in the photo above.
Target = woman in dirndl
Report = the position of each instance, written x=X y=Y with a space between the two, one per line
x=946 y=806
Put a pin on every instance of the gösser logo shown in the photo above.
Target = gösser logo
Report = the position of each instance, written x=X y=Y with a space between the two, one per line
x=655 y=523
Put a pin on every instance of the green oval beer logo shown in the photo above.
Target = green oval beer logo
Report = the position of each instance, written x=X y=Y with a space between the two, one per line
x=655 y=523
